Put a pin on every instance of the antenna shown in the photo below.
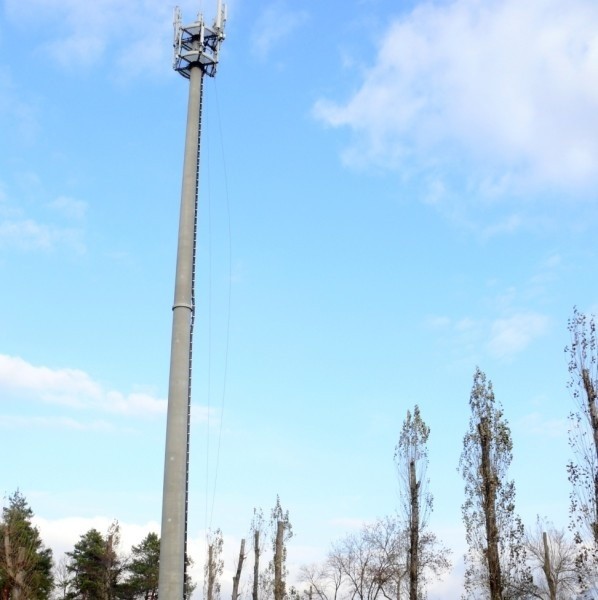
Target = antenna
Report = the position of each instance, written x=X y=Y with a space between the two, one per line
x=198 y=44
x=196 y=48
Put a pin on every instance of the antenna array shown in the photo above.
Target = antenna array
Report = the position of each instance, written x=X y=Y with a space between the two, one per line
x=198 y=44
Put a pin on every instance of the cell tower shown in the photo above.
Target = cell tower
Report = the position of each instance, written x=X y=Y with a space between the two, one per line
x=196 y=48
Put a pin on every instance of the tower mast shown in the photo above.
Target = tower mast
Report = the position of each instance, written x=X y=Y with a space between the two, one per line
x=196 y=48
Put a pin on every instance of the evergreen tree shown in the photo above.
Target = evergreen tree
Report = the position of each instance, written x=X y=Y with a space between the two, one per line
x=25 y=564
x=143 y=568
x=95 y=566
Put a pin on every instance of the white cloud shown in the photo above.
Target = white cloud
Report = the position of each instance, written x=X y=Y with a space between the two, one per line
x=502 y=337
x=508 y=84
x=275 y=23
x=62 y=534
x=15 y=112
x=21 y=422
x=77 y=390
x=72 y=387
x=511 y=335
x=29 y=234
x=69 y=207
x=78 y=34
x=536 y=424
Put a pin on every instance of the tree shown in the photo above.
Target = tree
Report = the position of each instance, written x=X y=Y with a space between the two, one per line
x=552 y=559
x=282 y=532
x=372 y=563
x=213 y=567
x=62 y=579
x=324 y=580
x=142 y=569
x=411 y=459
x=237 y=576
x=257 y=530
x=25 y=564
x=95 y=566
x=583 y=439
x=495 y=562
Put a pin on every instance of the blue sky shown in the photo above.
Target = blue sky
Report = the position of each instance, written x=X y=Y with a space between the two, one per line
x=391 y=194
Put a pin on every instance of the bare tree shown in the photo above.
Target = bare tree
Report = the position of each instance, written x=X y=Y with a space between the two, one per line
x=495 y=561
x=372 y=561
x=372 y=564
x=552 y=558
x=62 y=579
x=324 y=580
x=583 y=439
x=411 y=459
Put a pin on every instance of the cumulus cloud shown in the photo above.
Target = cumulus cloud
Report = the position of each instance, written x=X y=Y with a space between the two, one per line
x=502 y=337
x=275 y=23
x=508 y=85
x=62 y=534
x=31 y=235
x=22 y=422
x=513 y=334
x=72 y=387
x=74 y=34
x=536 y=424
x=69 y=207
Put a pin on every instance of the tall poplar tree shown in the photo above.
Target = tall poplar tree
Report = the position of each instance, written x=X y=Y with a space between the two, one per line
x=213 y=567
x=282 y=532
x=583 y=439
x=495 y=562
x=411 y=459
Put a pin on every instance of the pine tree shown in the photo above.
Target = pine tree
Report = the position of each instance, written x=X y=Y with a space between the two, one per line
x=95 y=566
x=142 y=569
x=25 y=564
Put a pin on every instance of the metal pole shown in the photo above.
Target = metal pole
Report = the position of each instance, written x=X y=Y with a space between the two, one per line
x=174 y=508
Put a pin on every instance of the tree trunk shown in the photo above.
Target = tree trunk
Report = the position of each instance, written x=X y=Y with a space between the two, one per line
x=237 y=577
x=489 y=485
x=278 y=550
x=413 y=533
x=547 y=568
x=588 y=385
x=256 y=563
x=211 y=575
x=14 y=569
